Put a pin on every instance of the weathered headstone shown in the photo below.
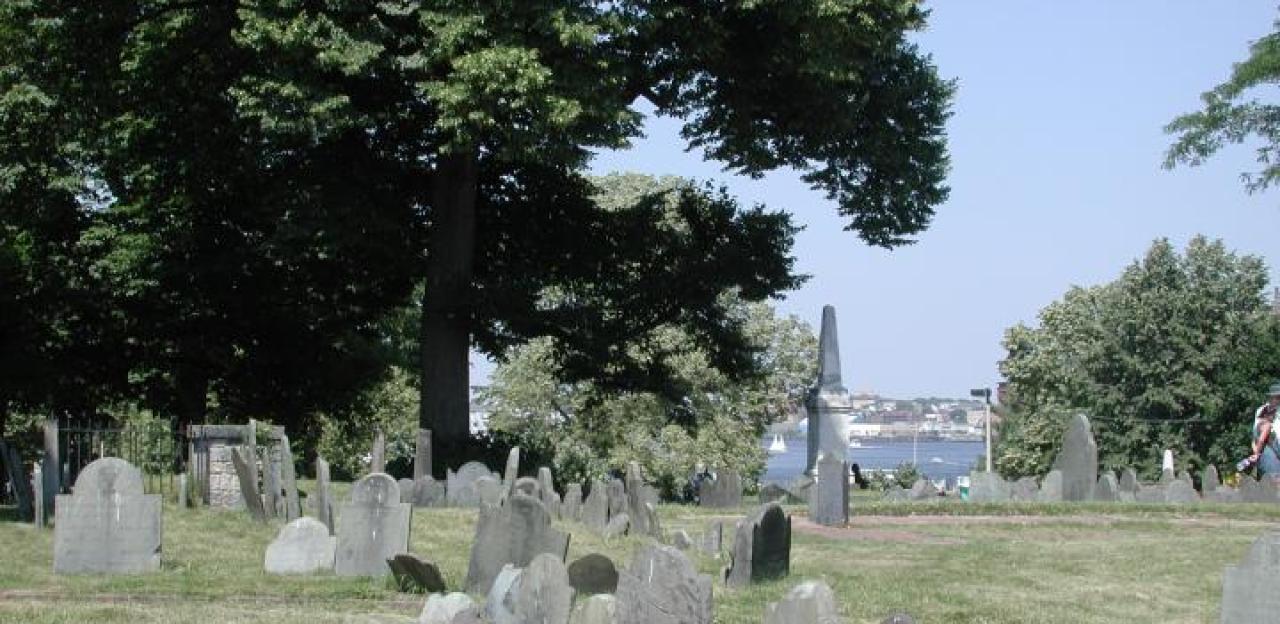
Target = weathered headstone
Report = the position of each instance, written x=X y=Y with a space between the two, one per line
x=761 y=547
x=1180 y=492
x=636 y=510
x=1129 y=481
x=416 y=575
x=1209 y=481
x=1051 y=487
x=489 y=491
x=712 y=541
x=1024 y=489
x=529 y=486
x=595 y=511
x=373 y=527
x=499 y=602
x=725 y=491
x=406 y=490
x=422 y=455
x=513 y=533
x=571 y=508
x=303 y=546
x=107 y=524
x=828 y=404
x=249 y=484
x=829 y=501
x=37 y=484
x=598 y=609
x=774 y=493
x=593 y=573
x=810 y=602
x=1107 y=489
x=50 y=465
x=548 y=487
x=1078 y=460
x=446 y=609
x=461 y=486
x=289 y=481
x=541 y=594
x=17 y=480
x=1248 y=589
x=988 y=487
x=799 y=488
x=183 y=486
x=323 y=502
x=922 y=490
x=617 y=526
x=427 y=492
x=676 y=595
x=681 y=540
x=617 y=492
x=512 y=471
x=378 y=455
x=273 y=502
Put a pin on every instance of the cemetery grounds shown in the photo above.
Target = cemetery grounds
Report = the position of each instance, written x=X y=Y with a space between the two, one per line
x=942 y=562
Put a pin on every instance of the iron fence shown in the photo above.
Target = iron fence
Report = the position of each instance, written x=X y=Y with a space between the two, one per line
x=158 y=451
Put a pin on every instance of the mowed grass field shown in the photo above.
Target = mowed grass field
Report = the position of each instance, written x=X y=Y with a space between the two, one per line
x=941 y=562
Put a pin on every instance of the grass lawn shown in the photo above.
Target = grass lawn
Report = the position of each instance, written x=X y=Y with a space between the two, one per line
x=942 y=562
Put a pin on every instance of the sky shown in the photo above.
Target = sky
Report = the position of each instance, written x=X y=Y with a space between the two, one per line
x=1056 y=144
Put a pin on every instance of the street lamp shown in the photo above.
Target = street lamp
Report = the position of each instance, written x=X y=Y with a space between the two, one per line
x=985 y=395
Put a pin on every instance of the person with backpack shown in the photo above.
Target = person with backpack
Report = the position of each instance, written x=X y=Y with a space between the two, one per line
x=1266 y=449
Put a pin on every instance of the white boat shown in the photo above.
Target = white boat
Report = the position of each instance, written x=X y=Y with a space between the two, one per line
x=855 y=443
x=778 y=445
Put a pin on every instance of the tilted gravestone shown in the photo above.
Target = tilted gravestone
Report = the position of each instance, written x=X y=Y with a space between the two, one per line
x=303 y=546
x=513 y=533
x=416 y=575
x=323 y=507
x=512 y=471
x=548 y=487
x=725 y=491
x=799 y=488
x=810 y=602
x=1248 y=589
x=107 y=524
x=595 y=511
x=639 y=505
x=249 y=483
x=829 y=501
x=1051 y=487
x=1107 y=489
x=1078 y=460
x=593 y=574
x=774 y=493
x=761 y=547
x=373 y=527
x=571 y=508
x=988 y=487
x=539 y=593
x=1209 y=480
x=661 y=586
x=378 y=455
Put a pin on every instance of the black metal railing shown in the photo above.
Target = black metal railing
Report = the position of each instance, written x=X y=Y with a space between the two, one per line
x=158 y=451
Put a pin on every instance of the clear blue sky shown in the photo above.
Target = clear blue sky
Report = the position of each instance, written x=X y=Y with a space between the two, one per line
x=1056 y=143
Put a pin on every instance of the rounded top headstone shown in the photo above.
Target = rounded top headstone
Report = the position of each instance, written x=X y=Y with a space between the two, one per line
x=377 y=489
x=110 y=475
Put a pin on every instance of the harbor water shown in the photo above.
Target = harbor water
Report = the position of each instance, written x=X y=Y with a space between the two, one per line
x=936 y=459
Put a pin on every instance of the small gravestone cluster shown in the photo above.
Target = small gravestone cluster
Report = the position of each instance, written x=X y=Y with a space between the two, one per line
x=761 y=547
x=616 y=508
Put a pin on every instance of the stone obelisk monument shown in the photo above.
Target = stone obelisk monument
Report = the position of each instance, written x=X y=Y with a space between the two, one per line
x=828 y=404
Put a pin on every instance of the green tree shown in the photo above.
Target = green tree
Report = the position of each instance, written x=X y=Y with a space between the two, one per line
x=1232 y=114
x=1173 y=354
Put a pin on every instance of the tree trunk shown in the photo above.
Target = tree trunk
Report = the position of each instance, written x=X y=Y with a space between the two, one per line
x=445 y=338
x=192 y=388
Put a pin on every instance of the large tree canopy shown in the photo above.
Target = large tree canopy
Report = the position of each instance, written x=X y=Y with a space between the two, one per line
x=1172 y=355
x=262 y=146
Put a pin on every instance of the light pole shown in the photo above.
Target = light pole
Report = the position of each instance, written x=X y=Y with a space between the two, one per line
x=985 y=394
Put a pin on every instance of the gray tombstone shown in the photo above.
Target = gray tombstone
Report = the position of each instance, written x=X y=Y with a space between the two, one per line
x=530 y=486
x=677 y=595
x=303 y=546
x=799 y=488
x=829 y=502
x=712 y=541
x=378 y=455
x=373 y=527
x=593 y=574
x=571 y=508
x=107 y=524
x=499 y=603
x=513 y=533
x=272 y=502
x=17 y=480
x=1129 y=481
x=617 y=527
x=51 y=465
x=323 y=502
x=598 y=609
x=447 y=609
x=1078 y=460
x=182 y=491
x=761 y=547
x=249 y=484
x=828 y=403
x=289 y=481
x=549 y=496
x=617 y=492
x=1107 y=489
x=37 y=484
x=1248 y=589
x=416 y=575
x=922 y=490
x=988 y=487
x=1051 y=487
x=636 y=511
x=810 y=602
x=1209 y=480
x=774 y=493
x=725 y=491
x=595 y=511
x=461 y=486
x=681 y=539
x=427 y=492
x=1180 y=492
x=512 y=471
x=1151 y=493
x=489 y=491
x=543 y=594
x=406 y=490
x=1025 y=489
x=422 y=455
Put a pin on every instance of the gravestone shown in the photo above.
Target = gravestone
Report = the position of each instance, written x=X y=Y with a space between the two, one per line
x=1166 y=464
x=617 y=526
x=1151 y=493
x=406 y=490
x=1077 y=461
x=829 y=504
x=289 y=478
x=1180 y=492
x=598 y=609
x=272 y=502
x=323 y=502
x=378 y=455
x=182 y=491
x=571 y=508
x=828 y=403
x=617 y=492
x=513 y=533
x=681 y=539
x=248 y=485
x=595 y=511
x=712 y=540
x=530 y=487
x=427 y=492
x=447 y=609
x=761 y=547
x=810 y=602
x=1107 y=489
x=303 y=546
x=540 y=593
x=549 y=497
x=1209 y=481
x=593 y=574
x=922 y=489
x=50 y=466
x=460 y=487
x=374 y=526
x=512 y=471
x=988 y=487
x=774 y=493
x=1248 y=589
x=1024 y=489
x=676 y=595
x=1051 y=487
x=1129 y=481
x=415 y=575
x=107 y=524
x=489 y=491
x=725 y=491
x=422 y=455
x=17 y=480
x=799 y=488
x=37 y=484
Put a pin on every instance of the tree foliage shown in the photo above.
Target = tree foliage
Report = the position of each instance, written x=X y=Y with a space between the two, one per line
x=1173 y=354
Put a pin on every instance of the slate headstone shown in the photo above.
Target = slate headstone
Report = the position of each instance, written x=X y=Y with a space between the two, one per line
x=543 y=594
x=761 y=547
x=799 y=488
x=829 y=501
x=571 y=508
x=774 y=493
x=37 y=484
x=107 y=524
x=1209 y=481
x=183 y=488
x=499 y=602
x=676 y=595
x=323 y=502
x=725 y=491
x=712 y=541
x=289 y=480
x=617 y=526
x=1180 y=492
x=373 y=527
x=1129 y=481
x=1107 y=489
x=273 y=502
x=512 y=471
x=530 y=487
x=593 y=574
x=51 y=465
x=1151 y=493
x=445 y=609
x=422 y=455
x=681 y=540
x=1077 y=460
x=249 y=484
x=513 y=533
x=1024 y=489
x=427 y=492
x=598 y=609
x=378 y=454
x=489 y=491
x=1248 y=589
x=811 y=602
x=303 y=546
x=595 y=511
x=617 y=492
x=461 y=486
x=1051 y=487
x=548 y=488
x=406 y=490
x=416 y=575
x=988 y=487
